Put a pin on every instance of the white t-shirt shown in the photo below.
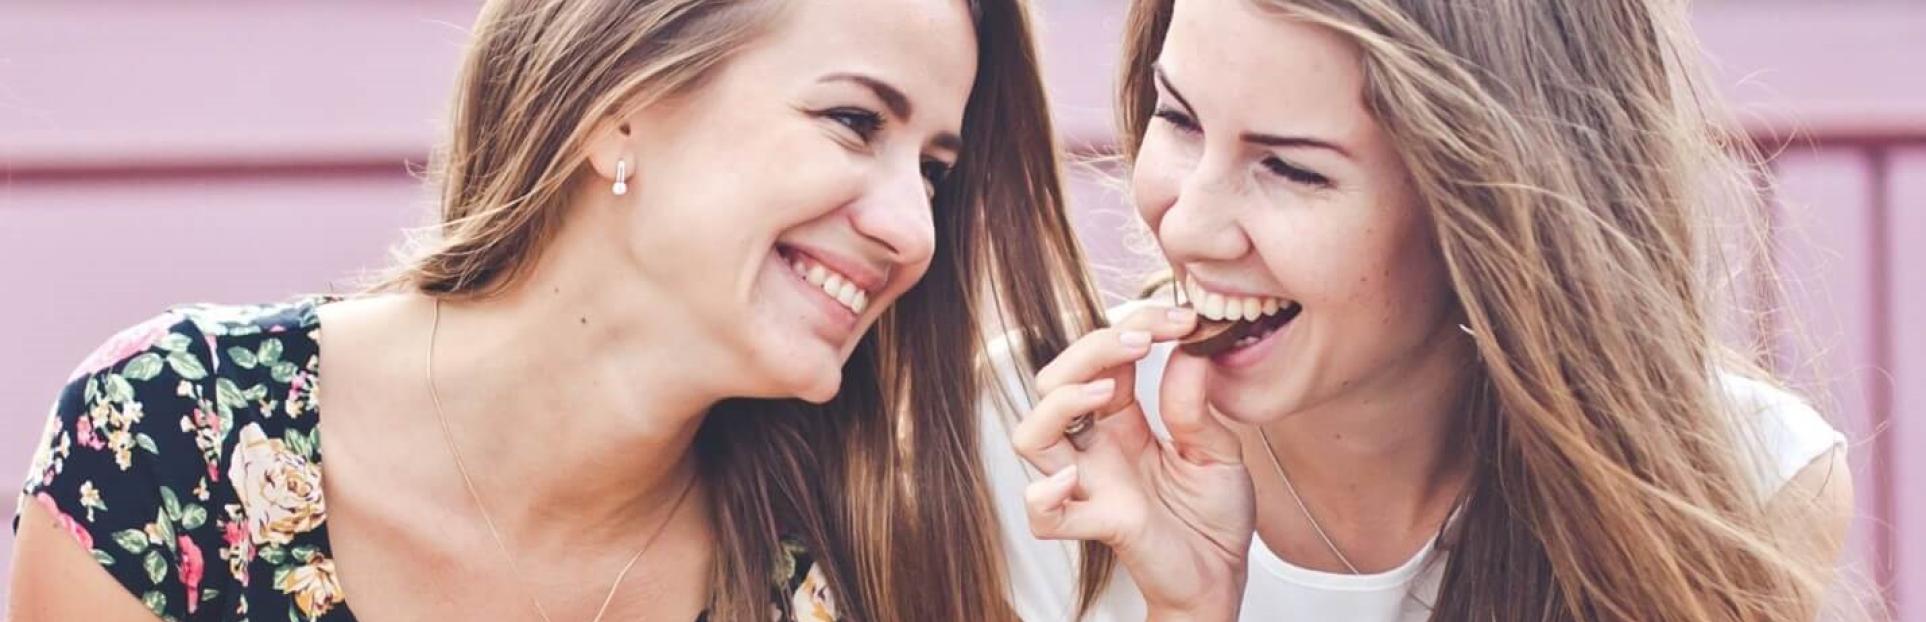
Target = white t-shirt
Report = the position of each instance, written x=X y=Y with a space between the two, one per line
x=1786 y=435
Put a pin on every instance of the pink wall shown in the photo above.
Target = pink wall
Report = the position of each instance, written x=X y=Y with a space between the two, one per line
x=188 y=150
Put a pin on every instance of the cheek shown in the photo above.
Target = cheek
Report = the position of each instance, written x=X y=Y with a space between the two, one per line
x=1380 y=281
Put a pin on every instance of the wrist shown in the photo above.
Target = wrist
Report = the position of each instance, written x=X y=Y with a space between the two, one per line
x=1218 y=605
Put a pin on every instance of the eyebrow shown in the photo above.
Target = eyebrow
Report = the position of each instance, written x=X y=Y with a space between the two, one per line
x=898 y=104
x=1273 y=140
x=1255 y=138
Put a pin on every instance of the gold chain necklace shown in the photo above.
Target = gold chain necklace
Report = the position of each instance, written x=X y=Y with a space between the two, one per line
x=482 y=508
x=1292 y=488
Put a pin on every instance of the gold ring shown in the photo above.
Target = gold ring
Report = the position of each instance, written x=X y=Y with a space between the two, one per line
x=1082 y=431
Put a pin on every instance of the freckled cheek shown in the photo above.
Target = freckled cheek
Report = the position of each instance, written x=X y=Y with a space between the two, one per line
x=1409 y=288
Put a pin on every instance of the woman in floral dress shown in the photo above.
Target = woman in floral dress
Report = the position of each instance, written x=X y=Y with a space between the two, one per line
x=649 y=365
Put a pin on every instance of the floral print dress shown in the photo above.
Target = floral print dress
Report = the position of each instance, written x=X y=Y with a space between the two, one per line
x=184 y=455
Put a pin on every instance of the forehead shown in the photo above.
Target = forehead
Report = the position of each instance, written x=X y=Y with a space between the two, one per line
x=1243 y=65
x=926 y=48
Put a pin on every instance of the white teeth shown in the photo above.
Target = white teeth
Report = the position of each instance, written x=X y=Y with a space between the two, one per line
x=1213 y=307
x=1271 y=305
x=1252 y=308
x=1194 y=294
x=838 y=287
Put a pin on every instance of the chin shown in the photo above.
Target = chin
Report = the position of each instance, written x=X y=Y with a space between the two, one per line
x=808 y=378
x=1249 y=405
x=820 y=393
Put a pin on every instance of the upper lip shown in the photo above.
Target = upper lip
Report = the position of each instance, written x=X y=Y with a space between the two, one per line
x=860 y=273
x=1215 y=288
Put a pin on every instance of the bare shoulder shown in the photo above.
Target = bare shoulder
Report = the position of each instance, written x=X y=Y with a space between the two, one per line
x=53 y=579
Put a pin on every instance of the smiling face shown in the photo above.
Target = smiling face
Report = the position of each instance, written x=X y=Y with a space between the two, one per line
x=1273 y=192
x=781 y=206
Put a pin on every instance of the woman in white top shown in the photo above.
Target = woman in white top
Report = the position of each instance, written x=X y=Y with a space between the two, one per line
x=1491 y=386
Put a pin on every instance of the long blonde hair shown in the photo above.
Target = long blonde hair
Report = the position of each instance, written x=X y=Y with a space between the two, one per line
x=541 y=73
x=1571 y=167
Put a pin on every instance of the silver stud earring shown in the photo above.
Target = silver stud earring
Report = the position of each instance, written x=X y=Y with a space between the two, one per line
x=621 y=177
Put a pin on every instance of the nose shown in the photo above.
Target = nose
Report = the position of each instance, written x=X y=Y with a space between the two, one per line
x=895 y=214
x=1201 y=224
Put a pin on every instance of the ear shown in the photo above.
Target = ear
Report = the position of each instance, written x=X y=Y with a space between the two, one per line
x=612 y=139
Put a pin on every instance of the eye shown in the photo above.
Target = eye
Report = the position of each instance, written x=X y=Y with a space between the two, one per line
x=1178 y=119
x=1277 y=166
x=865 y=123
x=934 y=172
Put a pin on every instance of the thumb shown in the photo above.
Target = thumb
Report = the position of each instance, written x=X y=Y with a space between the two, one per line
x=1197 y=434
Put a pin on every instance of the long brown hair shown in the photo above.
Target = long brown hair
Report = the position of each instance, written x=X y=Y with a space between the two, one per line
x=1570 y=166
x=839 y=476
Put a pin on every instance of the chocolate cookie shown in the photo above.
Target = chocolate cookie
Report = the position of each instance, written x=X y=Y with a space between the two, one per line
x=1212 y=336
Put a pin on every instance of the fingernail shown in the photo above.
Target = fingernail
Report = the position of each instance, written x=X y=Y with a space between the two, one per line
x=1100 y=387
x=1134 y=337
x=1180 y=315
x=1065 y=476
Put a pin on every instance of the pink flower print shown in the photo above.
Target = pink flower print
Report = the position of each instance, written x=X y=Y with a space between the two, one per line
x=84 y=433
x=66 y=522
x=125 y=345
x=192 y=567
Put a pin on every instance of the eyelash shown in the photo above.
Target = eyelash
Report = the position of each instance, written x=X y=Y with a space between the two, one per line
x=866 y=124
x=934 y=172
x=1277 y=166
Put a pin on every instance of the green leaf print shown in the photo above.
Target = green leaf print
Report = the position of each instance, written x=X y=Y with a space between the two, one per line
x=193 y=516
x=270 y=351
x=165 y=526
x=103 y=558
x=274 y=554
x=156 y=602
x=155 y=565
x=298 y=443
x=242 y=356
x=170 y=502
x=118 y=389
x=175 y=342
x=186 y=365
x=133 y=540
x=147 y=443
x=143 y=368
x=284 y=372
x=228 y=394
x=304 y=552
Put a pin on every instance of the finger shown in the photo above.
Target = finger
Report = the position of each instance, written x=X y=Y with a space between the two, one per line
x=1056 y=514
x=1129 y=340
x=1039 y=436
x=1198 y=435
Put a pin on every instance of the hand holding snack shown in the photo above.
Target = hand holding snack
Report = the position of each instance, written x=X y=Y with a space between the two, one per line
x=1178 y=512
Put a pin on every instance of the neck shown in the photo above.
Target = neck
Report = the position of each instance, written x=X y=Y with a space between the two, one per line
x=573 y=415
x=1391 y=453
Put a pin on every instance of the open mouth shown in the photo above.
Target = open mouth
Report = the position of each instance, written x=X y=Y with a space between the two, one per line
x=1231 y=323
x=838 y=286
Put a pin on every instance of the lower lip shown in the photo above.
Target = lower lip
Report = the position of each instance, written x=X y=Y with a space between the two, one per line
x=1247 y=356
x=839 y=321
